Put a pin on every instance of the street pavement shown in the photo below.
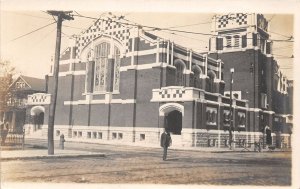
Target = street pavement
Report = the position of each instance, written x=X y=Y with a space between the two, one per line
x=140 y=165
x=90 y=150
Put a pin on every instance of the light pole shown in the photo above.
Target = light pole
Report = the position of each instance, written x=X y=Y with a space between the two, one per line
x=231 y=121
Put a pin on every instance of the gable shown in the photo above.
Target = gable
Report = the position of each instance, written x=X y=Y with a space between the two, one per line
x=20 y=84
x=103 y=27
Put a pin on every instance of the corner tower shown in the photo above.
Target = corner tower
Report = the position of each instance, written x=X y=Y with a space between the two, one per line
x=242 y=42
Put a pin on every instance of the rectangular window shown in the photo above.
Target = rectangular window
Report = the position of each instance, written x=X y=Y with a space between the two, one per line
x=254 y=40
x=228 y=42
x=57 y=132
x=89 y=135
x=114 y=136
x=74 y=133
x=268 y=48
x=244 y=41
x=94 y=135
x=142 y=137
x=262 y=45
x=264 y=100
x=99 y=135
x=120 y=136
x=236 y=41
x=211 y=116
x=219 y=43
x=80 y=134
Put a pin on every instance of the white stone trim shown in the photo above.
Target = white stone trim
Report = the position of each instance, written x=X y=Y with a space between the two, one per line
x=269 y=112
x=41 y=108
x=104 y=101
x=143 y=66
x=215 y=68
x=170 y=106
x=79 y=72
x=198 y=62
x=187 y=71
x=180 y=56
x=172 y=55
x=42 y=96
x=145 y=52
x=255 y=109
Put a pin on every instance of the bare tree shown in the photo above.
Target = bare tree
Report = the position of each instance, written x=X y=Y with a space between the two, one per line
x=6 y=73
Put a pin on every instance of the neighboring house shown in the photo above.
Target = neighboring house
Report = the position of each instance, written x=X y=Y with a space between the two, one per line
x=18 y=94
x=120 y=84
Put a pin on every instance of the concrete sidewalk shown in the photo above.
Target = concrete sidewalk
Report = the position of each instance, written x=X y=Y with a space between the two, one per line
x=28 y=154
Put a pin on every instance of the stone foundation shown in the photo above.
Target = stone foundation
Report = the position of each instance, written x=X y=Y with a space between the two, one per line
x=150 y=137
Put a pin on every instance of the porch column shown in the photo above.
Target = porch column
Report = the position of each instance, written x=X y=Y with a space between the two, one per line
x=13 y=121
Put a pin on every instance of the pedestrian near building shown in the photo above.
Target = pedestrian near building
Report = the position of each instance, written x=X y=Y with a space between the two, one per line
x=165 y=142
x=62 y=141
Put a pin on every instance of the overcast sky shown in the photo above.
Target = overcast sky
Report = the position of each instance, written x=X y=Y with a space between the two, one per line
x=32 y=53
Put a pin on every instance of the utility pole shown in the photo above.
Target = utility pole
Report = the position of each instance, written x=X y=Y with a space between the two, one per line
x=61 y=16
x=231 y=112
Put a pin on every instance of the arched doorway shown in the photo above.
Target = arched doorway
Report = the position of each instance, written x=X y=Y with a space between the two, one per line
x=37 y=117
x=173 y=113
x=173 y=122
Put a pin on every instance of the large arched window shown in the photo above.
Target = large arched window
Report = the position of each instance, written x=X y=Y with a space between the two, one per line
x=210 y=81
x=180 y=67
x=196 y=82
x=102 y=71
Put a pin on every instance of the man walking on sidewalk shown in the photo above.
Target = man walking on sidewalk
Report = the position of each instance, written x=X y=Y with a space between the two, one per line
x=165 y=142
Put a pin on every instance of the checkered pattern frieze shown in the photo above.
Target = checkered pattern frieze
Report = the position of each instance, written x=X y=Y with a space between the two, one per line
x=241 y=18
x=235 y=20
x=108 y=27
x=38 y=98
x=167 y=93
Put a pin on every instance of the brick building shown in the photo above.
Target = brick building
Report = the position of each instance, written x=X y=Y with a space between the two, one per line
x=242 y=42
x=120 y=84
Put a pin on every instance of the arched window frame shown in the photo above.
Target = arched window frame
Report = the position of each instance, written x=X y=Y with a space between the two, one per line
x=210 y=81
x=180 y=73
x=89 y=54
x=196 y=77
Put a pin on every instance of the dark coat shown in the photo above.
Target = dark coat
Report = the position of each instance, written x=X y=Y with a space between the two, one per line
x=165 y=140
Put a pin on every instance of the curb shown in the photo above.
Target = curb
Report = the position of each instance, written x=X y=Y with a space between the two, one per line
x=52 y=157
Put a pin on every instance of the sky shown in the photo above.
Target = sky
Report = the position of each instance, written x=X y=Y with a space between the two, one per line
x=31 y=54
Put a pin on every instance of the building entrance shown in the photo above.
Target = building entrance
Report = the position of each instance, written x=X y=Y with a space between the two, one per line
x=173 y=122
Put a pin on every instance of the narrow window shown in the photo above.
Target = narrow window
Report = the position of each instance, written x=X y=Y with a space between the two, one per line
x=236 y=41
x=117 y=63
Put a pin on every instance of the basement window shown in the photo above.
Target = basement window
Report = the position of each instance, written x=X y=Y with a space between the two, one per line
x=94 y=135
x=142 y=137
x=89 y=135
x=99 y=135
x=57 y=132
x=114 y=136
x=120 y=136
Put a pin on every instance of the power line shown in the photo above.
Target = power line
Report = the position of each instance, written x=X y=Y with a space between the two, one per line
x=281 y=47
x=32 y=31
x=24 y=14
x=272 y=18
x=290 y=37
x=166 y=29
x=200 y=23
x=184 y=36
x=73 y=27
